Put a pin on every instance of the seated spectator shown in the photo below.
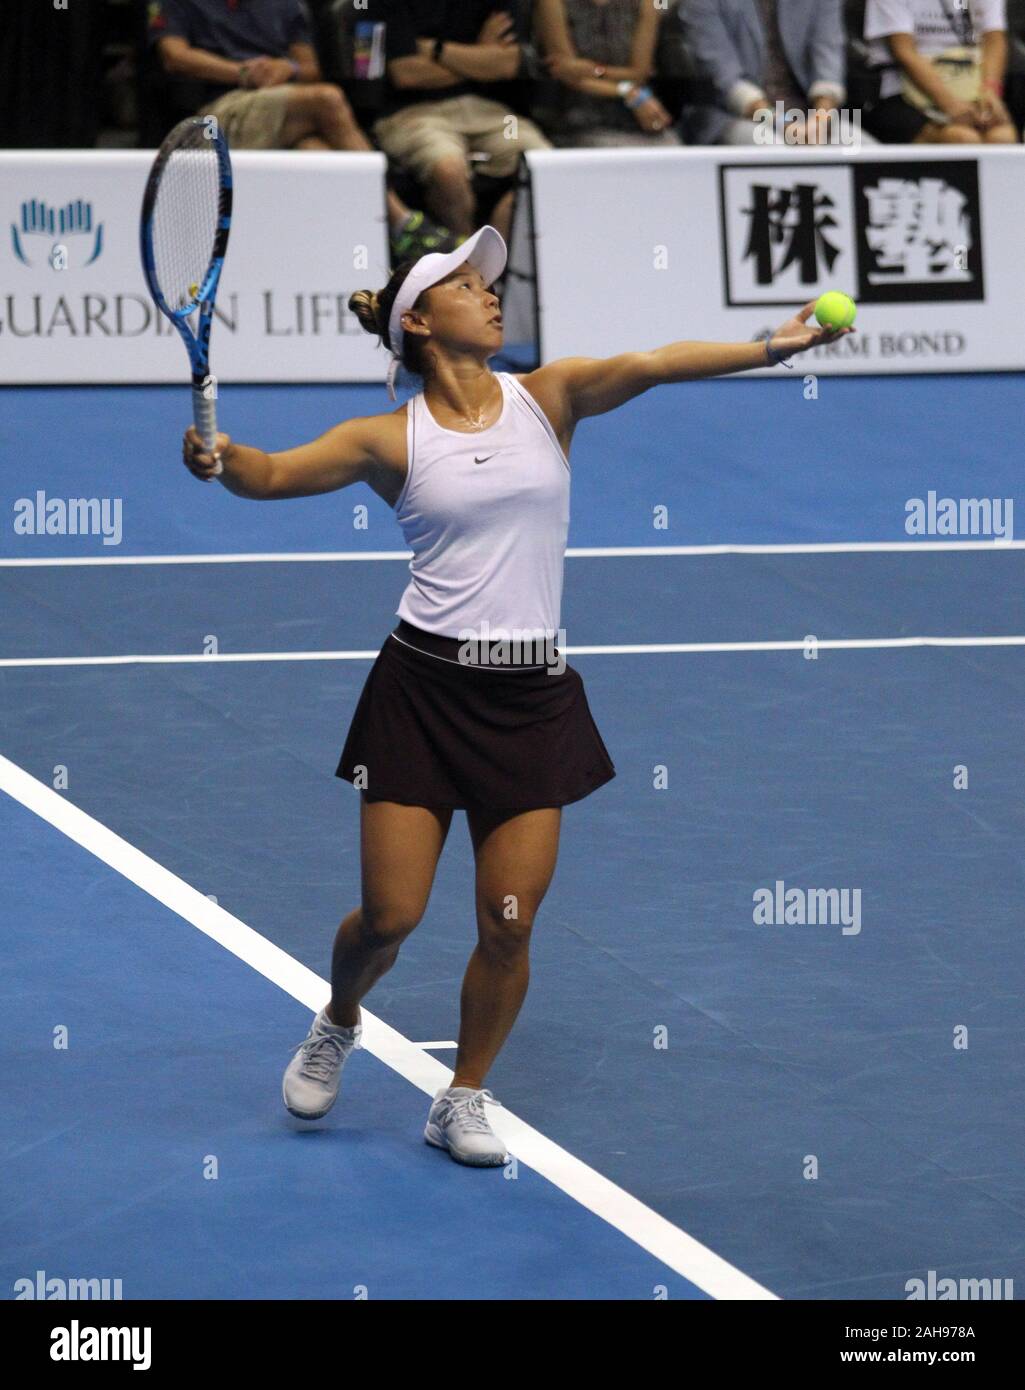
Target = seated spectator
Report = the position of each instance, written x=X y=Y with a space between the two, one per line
x=602 y=53
x=262 y=82
x=943 y=67
x=442 y=57
x=757 y=53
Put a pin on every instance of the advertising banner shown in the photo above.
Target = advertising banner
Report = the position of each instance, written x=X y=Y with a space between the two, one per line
x=307 y=229
x=638 y=248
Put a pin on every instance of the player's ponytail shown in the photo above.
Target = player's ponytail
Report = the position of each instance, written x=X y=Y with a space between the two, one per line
x=373 y=310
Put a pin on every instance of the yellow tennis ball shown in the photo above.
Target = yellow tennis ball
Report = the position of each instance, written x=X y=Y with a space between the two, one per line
x=193 y=291
x=835 y=309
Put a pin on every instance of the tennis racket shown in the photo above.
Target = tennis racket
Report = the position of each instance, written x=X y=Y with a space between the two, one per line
x=186 y=216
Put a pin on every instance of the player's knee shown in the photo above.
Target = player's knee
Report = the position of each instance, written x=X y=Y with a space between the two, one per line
x=387 y=924
x=1002 y=135
x=503 y=928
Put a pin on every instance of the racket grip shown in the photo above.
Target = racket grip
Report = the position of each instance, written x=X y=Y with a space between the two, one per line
x=204 y=415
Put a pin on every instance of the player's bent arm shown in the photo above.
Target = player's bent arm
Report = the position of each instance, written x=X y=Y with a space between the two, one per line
x=341 y=456
x=584 y=386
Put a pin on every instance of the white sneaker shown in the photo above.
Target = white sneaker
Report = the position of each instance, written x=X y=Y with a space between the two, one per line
x=457 y=1122
x=310 y=1085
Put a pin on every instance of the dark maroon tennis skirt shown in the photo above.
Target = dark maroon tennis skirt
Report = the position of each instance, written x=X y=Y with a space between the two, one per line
x=430 y=730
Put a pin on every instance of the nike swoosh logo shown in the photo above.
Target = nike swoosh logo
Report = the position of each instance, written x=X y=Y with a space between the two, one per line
x=485 y=458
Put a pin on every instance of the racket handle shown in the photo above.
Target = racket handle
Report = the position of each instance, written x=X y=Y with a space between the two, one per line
x=204 y=415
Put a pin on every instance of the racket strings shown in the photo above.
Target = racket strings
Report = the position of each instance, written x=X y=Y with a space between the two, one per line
x=185 y=218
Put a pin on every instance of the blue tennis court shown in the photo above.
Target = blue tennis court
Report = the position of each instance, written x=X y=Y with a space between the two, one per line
x=797 y=696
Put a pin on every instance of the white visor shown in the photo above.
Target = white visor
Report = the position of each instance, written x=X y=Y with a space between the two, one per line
x=485 y=251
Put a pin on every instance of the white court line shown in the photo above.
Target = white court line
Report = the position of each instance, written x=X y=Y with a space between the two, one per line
x=666 y=1242
x=600 y=552
x=627 y=649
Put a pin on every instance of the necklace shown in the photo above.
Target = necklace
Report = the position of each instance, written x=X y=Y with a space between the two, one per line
x=476 y=421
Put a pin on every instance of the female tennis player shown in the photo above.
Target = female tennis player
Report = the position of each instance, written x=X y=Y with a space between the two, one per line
x=452 y=715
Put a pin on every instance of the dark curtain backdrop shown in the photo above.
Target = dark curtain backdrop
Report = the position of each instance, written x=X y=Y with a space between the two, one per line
x=49 y=73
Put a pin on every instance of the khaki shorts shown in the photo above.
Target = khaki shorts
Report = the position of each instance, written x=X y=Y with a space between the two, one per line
x=418 y=136
x=252 y=120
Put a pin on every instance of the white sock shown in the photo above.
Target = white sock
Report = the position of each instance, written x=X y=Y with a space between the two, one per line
x=325 y=1022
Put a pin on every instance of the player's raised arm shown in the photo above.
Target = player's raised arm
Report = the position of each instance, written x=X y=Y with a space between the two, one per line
x=341 y=456
x=576 y=387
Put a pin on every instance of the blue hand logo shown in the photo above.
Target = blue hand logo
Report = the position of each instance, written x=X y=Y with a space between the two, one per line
x=73 y=223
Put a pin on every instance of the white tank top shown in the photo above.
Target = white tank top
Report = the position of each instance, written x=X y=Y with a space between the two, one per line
x=486 y=516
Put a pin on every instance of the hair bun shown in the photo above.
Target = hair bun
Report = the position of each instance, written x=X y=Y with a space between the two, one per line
x=364 y=304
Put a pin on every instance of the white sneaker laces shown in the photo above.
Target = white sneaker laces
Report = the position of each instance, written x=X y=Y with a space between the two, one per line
x=469 y=1110
x=323 y=1054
